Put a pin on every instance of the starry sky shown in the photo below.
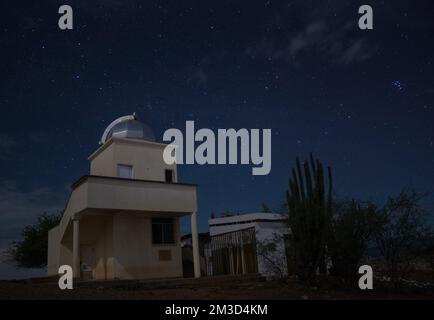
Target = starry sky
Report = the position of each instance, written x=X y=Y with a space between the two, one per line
x=362 y=101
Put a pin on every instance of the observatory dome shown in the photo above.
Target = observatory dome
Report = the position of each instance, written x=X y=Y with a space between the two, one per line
x=128 y=127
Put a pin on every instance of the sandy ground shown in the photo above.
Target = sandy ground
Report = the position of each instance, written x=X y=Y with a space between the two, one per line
x=224 y=288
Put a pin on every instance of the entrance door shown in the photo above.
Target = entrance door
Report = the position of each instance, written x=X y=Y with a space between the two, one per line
x=88 y=260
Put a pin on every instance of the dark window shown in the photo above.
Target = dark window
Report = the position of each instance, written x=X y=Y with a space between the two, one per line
x=169 y=175
x=162 y=231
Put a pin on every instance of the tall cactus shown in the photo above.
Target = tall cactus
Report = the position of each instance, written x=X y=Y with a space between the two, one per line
x=310 y=212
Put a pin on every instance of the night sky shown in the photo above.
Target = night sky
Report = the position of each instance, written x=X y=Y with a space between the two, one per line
x=362 y=101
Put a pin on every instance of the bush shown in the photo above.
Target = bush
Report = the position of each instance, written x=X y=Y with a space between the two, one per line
x=402 y=233
x=31 y=252
x=352 y=225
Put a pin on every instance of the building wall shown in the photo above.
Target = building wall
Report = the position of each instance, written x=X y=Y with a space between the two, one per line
x=242 y=221
x=146 y=158
x=110 y=260
x=274 y=232
x=59 y=253
x=216 y=230
x=134 y=254
x=102 y=163
x=122 y=248
x=65 y=257
x=268 y=228
x=122 y=195
x=95 y=236
x=53 y=251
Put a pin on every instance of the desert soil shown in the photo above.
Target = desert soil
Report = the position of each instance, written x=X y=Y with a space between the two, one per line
x=216 y=288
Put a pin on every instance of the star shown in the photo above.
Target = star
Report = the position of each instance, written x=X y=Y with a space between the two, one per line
x=398 y=85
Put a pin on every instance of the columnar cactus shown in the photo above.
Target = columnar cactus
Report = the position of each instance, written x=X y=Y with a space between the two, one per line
x=310 y=212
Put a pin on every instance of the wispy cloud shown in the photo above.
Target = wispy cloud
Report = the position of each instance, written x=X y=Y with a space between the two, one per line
x=39 y=137
x=198 y=77
x=7 y=144
x=302 y=30
x=21 y=207
x=312 y=35
x=316 y=37
x=359 y=50
x=430 y=90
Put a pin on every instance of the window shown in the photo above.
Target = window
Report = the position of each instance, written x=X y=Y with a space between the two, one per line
x=162 y=231
x=125 y=171
x=169 y=175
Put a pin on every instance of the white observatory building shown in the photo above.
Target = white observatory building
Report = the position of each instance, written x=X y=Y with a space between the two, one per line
x=122 y=220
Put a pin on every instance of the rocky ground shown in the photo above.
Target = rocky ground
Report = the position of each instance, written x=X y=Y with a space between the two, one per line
x=216 y=288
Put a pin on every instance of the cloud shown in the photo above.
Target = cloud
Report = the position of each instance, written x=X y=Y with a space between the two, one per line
x=19 y=208
x=39 y=137
x=199 y=77
x=307 y=38
x=359 y=50
x=340 y=44
x=7 y=144
x=430 y=90
x=197 y=74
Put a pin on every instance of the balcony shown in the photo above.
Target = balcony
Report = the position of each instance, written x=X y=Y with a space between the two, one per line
x=112 y=194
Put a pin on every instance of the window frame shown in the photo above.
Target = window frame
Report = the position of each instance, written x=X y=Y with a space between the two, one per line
x=124 y=165
x=164 y=242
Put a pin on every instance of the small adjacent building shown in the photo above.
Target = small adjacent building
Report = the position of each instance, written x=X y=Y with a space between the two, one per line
x=122 y=219
x=247 y=243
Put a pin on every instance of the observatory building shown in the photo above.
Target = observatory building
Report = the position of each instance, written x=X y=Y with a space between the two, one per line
x=122 y=220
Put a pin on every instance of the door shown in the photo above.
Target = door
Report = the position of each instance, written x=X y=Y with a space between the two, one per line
x=88 y=260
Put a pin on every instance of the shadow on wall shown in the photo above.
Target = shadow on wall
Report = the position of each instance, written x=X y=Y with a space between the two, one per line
x=187 y=255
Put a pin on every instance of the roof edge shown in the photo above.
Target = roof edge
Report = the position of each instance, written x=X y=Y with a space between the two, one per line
x=124 y=140
x=84 y=178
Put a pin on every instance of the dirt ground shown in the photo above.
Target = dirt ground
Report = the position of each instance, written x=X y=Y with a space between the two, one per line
x=217 y=288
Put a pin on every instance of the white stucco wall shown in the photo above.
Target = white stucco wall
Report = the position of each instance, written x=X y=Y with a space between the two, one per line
x=272 y=232
x=269 y=227
x=146 y=158
x=134 y=254
x=53 y=251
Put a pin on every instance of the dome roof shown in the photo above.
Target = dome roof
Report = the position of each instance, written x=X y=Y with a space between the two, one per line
x=128 y=127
